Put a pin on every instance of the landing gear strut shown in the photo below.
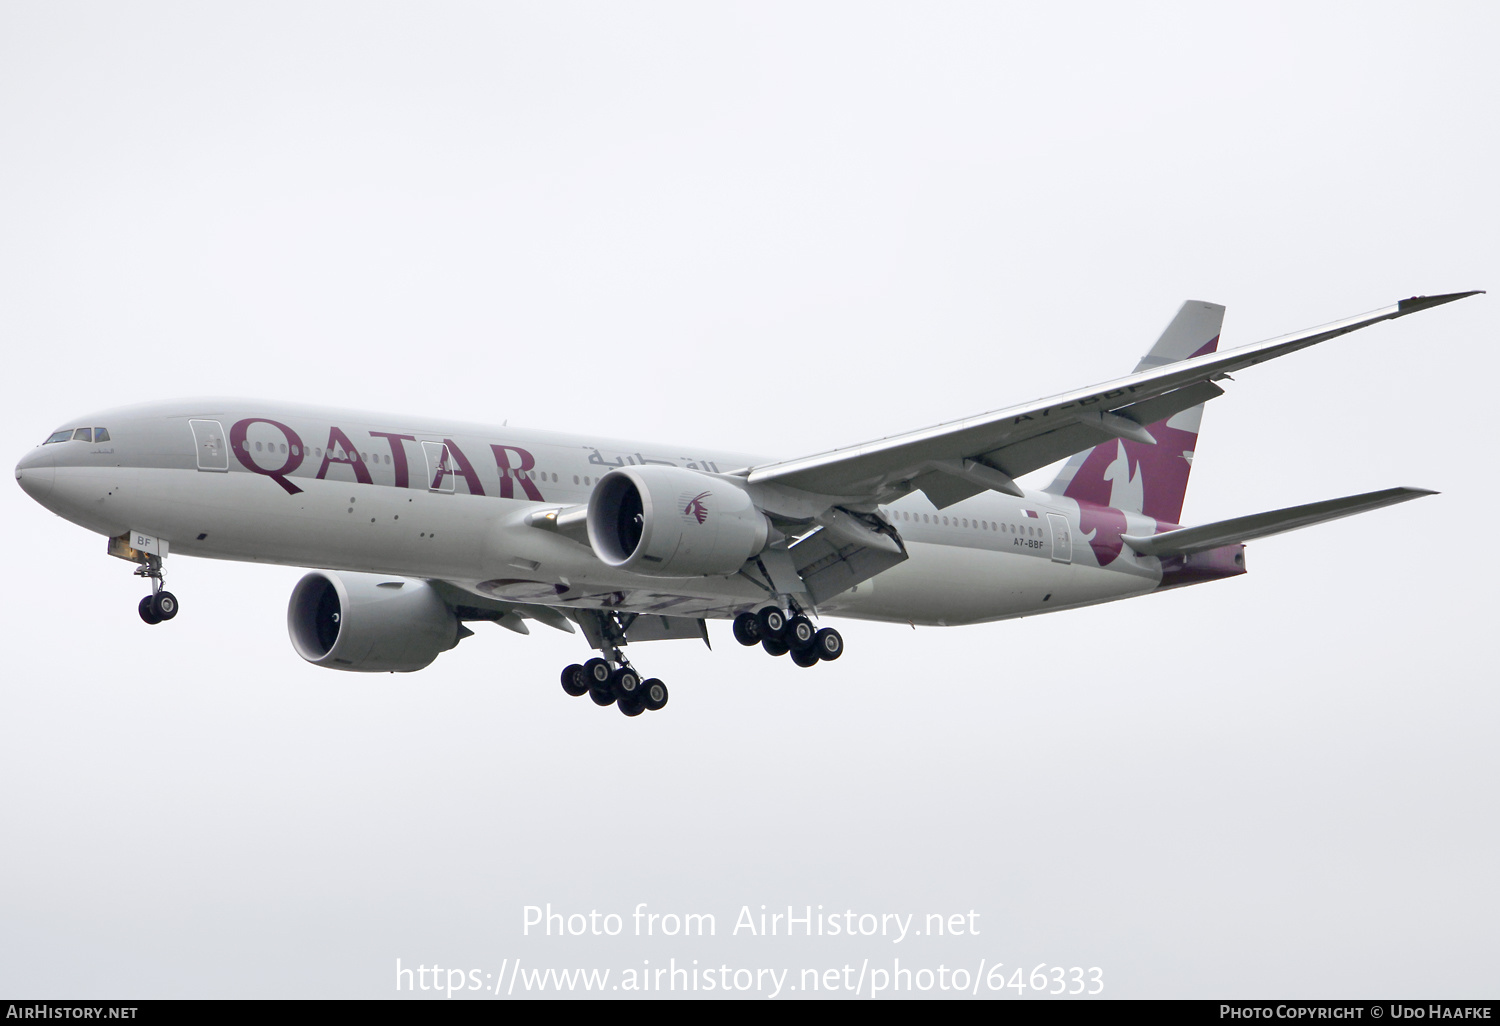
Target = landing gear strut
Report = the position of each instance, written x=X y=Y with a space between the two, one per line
x=160 y=604
x=780 y=632
x=610 y=679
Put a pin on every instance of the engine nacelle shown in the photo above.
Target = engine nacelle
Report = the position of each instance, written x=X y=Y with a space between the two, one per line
x=369 y=622
x=670 y=522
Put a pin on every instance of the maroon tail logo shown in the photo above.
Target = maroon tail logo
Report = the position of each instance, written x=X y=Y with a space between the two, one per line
x=695 y=507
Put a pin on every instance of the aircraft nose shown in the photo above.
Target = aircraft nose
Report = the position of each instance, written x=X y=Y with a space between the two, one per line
x=35 y=473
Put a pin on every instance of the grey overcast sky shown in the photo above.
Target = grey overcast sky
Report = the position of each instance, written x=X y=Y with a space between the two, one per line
x=774 y=227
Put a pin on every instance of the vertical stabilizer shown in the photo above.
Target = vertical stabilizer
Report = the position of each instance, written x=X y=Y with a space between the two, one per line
x=1135 y=476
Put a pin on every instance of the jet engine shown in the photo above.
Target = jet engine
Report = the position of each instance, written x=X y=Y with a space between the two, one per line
x=369 y=622
x=670 y=522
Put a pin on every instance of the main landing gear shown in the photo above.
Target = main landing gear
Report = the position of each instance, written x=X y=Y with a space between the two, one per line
x=160 y=604
x=611 y=680
x=780 y=632
x=616 y=684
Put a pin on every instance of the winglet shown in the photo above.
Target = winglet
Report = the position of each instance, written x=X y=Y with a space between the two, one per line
x=1416 y=303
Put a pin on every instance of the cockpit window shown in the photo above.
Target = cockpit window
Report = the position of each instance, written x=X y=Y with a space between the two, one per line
x=101 y=435
x=61 y=436
x=83 y=435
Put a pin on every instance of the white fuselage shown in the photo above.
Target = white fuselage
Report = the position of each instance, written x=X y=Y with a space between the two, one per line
x=340 y=490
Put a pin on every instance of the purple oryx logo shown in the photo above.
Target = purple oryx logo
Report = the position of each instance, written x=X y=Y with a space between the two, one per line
x=695 y=507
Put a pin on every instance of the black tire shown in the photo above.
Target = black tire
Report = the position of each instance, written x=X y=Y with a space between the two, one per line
x=574 y=681
x=747 y=629
x=631 y=705
x=165 y=604
x=772 y=622
x=625 y=683
x=829 y=644
x=147 y=609
x=598 y=673
x=799 y=633
x=775 y=646
x=805 y=656
x=602 y=696
x=653 y=694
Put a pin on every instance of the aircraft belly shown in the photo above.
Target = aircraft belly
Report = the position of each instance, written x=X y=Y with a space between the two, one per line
x=524 y=564
x=480 y=543
x=337 y=525
x=349 y=526
x=947 y=585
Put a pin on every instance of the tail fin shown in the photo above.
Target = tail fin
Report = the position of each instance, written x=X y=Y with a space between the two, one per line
x=1135 y=476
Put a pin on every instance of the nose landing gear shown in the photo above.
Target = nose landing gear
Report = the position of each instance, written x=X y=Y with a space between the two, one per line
x=160 y=604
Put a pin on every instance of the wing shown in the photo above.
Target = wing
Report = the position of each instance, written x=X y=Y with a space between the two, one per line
x=952 y=461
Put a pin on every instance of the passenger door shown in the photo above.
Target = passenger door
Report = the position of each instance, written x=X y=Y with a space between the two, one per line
x=1062 y=538
x=212 y=449
x=439 y=473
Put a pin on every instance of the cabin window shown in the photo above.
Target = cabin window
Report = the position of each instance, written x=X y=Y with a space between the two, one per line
x=61 y=436
x=101 y=435
x=83 y=435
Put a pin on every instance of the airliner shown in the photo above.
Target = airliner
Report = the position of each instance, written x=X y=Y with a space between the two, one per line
x=416 y=527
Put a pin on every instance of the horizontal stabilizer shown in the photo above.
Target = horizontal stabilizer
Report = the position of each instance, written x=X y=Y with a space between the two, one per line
x=1187 y=540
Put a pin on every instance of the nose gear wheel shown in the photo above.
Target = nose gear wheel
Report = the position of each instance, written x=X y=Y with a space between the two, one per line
x=160 y=605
